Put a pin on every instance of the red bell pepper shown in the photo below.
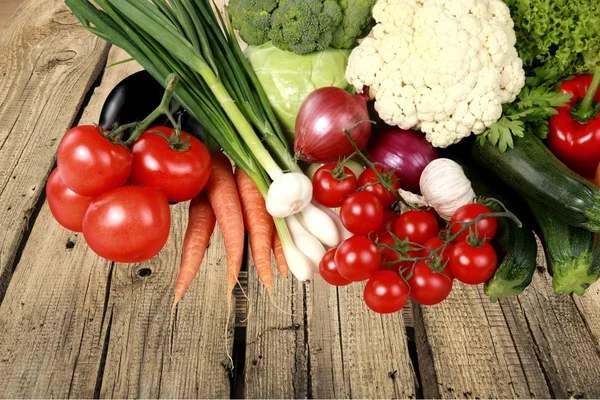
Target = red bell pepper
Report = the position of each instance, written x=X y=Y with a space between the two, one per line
x=574 y=135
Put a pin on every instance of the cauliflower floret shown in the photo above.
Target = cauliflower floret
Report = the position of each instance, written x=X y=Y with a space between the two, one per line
x=442 y=66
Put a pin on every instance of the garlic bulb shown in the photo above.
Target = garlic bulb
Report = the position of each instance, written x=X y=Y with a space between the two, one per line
x=288 y=194
x=444 y=187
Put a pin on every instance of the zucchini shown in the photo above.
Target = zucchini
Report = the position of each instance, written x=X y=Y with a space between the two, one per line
x=533 y=172
x=516 y=247
x=572 y=253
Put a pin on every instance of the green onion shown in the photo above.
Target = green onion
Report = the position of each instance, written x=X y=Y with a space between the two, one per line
x=217 y=85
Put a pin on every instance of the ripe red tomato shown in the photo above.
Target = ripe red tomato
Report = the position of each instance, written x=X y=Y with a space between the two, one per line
x=67 y=207
x=179 y=173
x=435 y=243
x=428 y=287
x=330 y=187
x=329 y=271
x=357 y=258
x=389 y=222
x=361 y=213
x=473 y=265
x=89 y=164
x=486 y=228
x=369 y=180
x=391 y=256
x=386 y=292
x=128 y=224
x=417 y=226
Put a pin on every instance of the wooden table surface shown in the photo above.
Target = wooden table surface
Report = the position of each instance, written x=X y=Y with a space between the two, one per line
x=74 y=325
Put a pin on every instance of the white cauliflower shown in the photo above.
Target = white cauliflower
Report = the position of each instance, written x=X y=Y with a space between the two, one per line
x=442 y=66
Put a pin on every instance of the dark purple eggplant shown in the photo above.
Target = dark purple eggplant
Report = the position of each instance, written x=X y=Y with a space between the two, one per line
x=132 y=100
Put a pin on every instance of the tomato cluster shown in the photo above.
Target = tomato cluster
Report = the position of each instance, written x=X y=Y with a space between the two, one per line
x=402 y=255
x=119 y=196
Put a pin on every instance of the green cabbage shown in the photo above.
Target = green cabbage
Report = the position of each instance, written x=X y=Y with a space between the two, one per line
x=288 y=78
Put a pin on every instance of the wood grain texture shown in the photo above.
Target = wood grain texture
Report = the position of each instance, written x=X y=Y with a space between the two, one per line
x=7 y=8
x=355 y=353
x=466 y=350
x=564 y=346
x=588 y=306
x=49 y=62
x=54 y=316
x=276 y=354
x=102 y=329
x=138 y=361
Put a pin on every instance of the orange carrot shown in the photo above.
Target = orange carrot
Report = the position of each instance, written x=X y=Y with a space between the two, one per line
x=223 y=197
x=259 y=225
x=201 y=223
x=279 y=256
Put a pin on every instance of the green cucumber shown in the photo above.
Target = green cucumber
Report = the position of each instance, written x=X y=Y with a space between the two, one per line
x=572 y=253
x=532 y=171
x=516 y=247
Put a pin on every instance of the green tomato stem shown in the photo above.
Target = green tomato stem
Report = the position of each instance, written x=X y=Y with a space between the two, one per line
x=162 y=109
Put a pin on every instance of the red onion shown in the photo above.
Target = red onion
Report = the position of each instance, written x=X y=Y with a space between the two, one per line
x=405 y=151
x=320 y=123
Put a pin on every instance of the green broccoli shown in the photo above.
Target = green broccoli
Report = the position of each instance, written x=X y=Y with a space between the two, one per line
x=302 y=26
x=356 y=23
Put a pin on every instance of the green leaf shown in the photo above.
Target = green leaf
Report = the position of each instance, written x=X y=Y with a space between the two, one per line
x=501 y=133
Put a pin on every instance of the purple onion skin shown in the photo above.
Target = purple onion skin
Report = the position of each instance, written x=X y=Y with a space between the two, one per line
x=404 y=151
x=321 y=119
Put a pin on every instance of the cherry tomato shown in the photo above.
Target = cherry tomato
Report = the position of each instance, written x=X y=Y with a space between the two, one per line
x=486 y=228
x=128 y=224
x=89 y=164
x=329 y=271
x=179 y=173
x=386 y=292
x=473 y=265
x=389 y=221
x=332 y=183
x=361 y=213
x=369 y=181
x=391 y=256
x=417 y=226
x=428 y=287
x=435 y=243
x=357 y=258
x=67 y=207
x=597 y=178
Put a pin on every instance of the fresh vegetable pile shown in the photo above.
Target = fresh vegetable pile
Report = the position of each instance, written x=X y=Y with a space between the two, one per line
x=401 y=143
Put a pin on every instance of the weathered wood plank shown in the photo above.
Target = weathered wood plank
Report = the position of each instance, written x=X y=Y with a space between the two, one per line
x=589 y=308
x=77 y=326
x=138 y=362
x=48 y=64
x=354 y=352
x=567 y=351
x=54 y=315
x=276 y=353
x=466 y=349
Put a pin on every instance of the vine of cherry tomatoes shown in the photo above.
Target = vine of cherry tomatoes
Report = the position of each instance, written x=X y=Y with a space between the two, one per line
x=401 y=256
x=118 y=196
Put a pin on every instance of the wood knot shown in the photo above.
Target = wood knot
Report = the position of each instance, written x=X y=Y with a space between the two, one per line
x=65 y=17
x=144 y=272
x=65 y=55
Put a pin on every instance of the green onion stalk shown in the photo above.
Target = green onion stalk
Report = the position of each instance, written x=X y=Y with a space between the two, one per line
x=217 y=85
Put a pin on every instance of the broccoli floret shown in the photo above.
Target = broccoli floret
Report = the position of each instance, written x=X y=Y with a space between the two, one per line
x=304 y=26
x=357 y=22
x=252 y=18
